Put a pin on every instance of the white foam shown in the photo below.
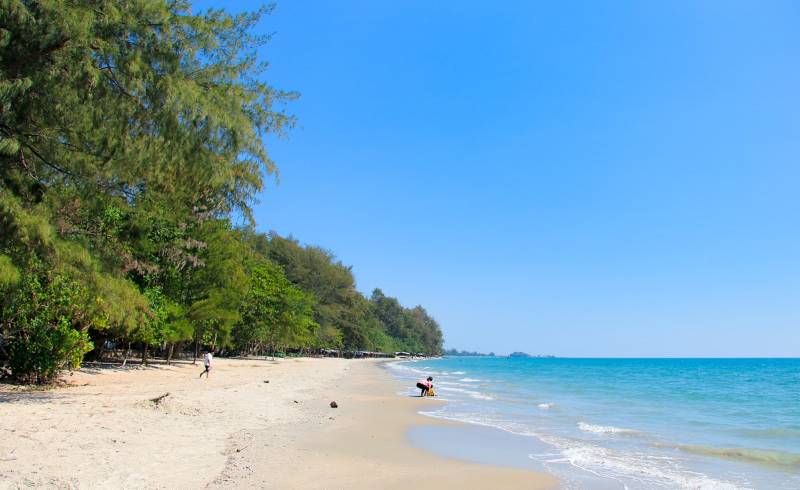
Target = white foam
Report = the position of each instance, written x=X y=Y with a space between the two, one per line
x=402 y=369
x=481 y=396
x=453 y=383
x=455 y=387
x=546 y=406
x=469 y=380
x=458 y=372
x=402 y=366
x=470 y=419
x=604 y=429
x=628 y=467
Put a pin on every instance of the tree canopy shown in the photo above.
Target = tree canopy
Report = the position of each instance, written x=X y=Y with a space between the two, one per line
x=131 y=136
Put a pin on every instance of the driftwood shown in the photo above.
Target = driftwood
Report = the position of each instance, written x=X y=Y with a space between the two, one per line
x=158 y=399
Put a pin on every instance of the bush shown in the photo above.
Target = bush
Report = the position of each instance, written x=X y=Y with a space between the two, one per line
x=38 y=353
x=41 y=337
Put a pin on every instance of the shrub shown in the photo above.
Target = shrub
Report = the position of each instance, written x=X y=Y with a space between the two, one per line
x=40 y=334
x=39 y=352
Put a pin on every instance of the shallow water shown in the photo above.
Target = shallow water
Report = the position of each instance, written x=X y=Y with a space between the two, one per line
x=633 y=423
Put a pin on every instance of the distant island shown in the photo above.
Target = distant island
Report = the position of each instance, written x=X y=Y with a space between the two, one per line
x=525 y=355
x=455 y=352
x=519 y=354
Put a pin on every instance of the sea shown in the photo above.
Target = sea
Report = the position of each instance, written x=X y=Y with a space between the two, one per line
x=619 y=423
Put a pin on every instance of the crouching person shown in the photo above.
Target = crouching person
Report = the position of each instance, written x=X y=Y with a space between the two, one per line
x=425 y=386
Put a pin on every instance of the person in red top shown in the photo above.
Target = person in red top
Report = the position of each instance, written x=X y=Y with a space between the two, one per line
x=425 y=386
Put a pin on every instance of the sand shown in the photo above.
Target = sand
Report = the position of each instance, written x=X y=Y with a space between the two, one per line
x=230 y=431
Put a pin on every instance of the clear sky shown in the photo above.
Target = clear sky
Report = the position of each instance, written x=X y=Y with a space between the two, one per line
x=571 y=178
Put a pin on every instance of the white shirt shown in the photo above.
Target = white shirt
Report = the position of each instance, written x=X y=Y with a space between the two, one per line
x=207 y=359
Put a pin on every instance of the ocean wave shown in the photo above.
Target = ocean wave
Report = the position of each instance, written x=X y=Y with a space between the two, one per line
x=604 y=429
x=453 y=383
x=458 y=373
x=449 y=386
x=475 y=419
x=469 y=380
x=763 y=456
x=647 y=469
x=481 y=396
x=402 y=368
x=546 y=406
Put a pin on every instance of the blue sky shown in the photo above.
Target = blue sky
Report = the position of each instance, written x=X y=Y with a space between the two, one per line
x=572 y=178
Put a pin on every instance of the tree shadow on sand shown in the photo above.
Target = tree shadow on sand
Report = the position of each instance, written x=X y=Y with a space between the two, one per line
x=28 y=396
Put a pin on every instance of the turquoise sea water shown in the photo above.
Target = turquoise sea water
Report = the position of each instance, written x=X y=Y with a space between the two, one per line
x=633 y=423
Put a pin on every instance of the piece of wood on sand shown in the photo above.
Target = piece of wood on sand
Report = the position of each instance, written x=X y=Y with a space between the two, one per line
x=158 y=399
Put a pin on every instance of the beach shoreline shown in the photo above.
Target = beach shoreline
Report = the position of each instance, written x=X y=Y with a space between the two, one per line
x=618 y=423
x=254 y=423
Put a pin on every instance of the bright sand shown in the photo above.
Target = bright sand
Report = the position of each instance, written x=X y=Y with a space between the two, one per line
x=232 y=430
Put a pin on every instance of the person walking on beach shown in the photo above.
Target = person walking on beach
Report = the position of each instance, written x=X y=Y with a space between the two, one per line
x=208 y=359
x=425 y=386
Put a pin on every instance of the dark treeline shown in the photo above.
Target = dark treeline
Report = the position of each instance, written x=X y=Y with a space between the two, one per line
x=131 y=134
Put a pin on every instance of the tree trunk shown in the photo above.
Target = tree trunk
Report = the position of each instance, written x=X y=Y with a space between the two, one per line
x=101 y=349
x=144 y=354
x=169 y=353
x=196 y=347
x=127 y=354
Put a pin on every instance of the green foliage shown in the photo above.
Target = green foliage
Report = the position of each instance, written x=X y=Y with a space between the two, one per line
x=132 y=97
x=131 y=134
x=168 y=322
x=347 y=319
x=43 y=339
x=274 y=312
x=214 y=290
x=413 y=329
x=9 y=274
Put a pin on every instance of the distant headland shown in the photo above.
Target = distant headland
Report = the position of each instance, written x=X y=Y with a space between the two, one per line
x=526 y=355
x=457 y=353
